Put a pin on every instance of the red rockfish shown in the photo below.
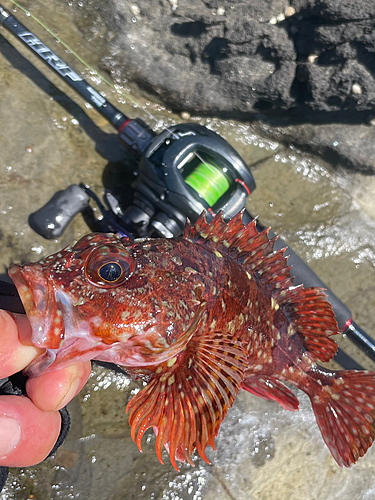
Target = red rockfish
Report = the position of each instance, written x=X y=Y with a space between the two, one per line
x=198 y=318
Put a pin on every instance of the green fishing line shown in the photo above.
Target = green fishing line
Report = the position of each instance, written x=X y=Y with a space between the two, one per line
x=209 y=182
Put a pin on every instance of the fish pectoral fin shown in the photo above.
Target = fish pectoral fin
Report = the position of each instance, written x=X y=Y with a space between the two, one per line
x=187 y=401
x=270 y=388
x=146 y=357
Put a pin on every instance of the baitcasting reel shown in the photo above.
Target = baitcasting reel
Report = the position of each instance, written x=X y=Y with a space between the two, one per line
x=182 y=171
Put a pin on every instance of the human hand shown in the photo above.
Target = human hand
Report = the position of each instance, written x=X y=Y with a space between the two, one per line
x=30 y=425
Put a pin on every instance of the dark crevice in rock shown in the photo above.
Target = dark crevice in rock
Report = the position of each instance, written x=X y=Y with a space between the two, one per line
x=293 y=116
x=268 y=54
x=188 y=29
x=318 y=17
x=301 y=90
x=330 y=57
x=366 y=58
x=263 y=106
x=193 y=55
x=216 y=50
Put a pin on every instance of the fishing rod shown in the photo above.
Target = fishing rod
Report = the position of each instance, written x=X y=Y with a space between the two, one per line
x=182 y=171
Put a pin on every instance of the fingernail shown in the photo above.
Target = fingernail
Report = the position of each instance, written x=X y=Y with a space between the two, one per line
x=73 y=388
x=10 y=435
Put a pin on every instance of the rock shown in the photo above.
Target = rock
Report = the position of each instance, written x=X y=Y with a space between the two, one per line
x=348 y=145
x=279 y=61
x=206 y=57
x=231 y=58
x=340 y=32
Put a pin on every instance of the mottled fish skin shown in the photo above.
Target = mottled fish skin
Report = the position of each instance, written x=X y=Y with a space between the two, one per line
x=199 y=318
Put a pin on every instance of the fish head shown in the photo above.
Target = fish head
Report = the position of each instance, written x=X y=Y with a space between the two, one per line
x=109 y=290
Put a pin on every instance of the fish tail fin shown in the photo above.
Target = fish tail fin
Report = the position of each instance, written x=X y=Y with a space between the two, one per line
x=344 y=407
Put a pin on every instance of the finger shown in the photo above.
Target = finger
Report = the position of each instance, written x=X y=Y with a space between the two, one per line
x=27 y=434
x=53 y=390
x=15 y=356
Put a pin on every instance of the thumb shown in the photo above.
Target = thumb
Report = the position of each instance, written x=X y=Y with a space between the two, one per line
x=27 y=434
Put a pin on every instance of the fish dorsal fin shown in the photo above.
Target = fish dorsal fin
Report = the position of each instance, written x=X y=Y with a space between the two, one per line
x=308 y=309
x=245 y=244
x=187 y=401
x=312 y=318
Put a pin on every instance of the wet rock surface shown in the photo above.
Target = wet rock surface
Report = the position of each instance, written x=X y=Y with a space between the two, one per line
x=346 y=144
x=303 y=61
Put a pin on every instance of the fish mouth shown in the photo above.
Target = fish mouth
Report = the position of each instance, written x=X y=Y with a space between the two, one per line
x=41 y=307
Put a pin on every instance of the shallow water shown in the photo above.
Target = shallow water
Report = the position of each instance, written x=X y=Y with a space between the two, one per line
x=327 y=215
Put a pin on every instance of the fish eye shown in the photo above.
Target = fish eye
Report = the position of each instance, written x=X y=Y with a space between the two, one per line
x=110 y=272
x=109 y=266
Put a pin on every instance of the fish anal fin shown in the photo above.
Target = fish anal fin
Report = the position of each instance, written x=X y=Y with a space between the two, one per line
x=270 y=388
x=344 y=407
x=187 y=401
x=312 y=318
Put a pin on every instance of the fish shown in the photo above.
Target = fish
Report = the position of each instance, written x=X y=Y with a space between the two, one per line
x=197 y=318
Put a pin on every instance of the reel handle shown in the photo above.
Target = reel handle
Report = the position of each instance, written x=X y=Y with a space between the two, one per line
x=52 y=219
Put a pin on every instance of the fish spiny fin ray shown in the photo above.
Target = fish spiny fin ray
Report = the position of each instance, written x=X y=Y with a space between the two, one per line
x=309 y=311
x=188 y=400
x=245 y=244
